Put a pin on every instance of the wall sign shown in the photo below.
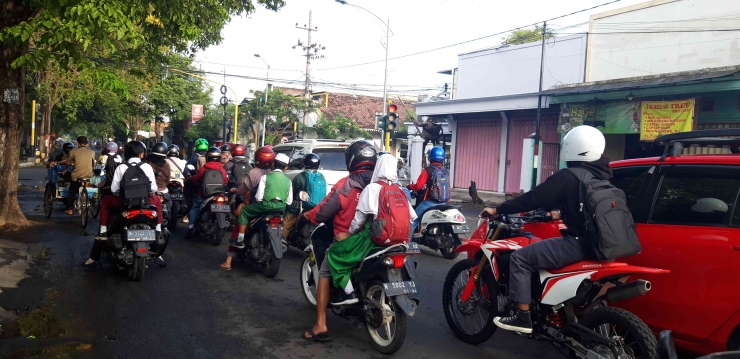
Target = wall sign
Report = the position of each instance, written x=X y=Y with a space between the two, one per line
x=664 y=117
x=12 y=96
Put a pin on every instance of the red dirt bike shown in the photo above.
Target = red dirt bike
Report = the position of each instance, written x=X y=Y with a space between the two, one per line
x=569 y=305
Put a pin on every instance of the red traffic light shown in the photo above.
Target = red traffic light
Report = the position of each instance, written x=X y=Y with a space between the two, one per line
x=392 y=108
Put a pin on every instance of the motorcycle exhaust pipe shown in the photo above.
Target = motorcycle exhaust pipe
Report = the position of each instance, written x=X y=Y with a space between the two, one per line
x=629 y=290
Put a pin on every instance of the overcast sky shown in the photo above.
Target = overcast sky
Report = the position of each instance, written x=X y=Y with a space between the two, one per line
x=352 y=36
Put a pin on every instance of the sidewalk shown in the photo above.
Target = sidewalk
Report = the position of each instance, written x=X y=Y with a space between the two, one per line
x=461 y=195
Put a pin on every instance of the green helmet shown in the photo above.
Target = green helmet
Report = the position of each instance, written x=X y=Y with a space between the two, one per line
x=201 y=144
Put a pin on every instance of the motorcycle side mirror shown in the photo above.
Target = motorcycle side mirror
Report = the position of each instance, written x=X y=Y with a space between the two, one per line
x=666 y=346
x=303 y=195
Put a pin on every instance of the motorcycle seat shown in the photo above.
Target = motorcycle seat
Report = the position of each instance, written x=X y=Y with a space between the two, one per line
x=586 y=265
x=276 y=213
x=443 y=207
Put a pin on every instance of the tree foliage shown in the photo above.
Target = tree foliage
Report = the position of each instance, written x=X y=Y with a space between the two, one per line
x=523 y=36
x=280 y=113
x=339 y=127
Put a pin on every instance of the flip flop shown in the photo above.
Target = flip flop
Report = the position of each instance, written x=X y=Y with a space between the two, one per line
x=68 y=213
x=323 y=337
x=224 y=268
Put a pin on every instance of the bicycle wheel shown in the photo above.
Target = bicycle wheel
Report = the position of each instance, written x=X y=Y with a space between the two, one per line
x=83 y=204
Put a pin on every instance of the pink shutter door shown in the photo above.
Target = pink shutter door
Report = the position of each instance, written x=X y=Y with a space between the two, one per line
x=521 y=127
x=477 y=153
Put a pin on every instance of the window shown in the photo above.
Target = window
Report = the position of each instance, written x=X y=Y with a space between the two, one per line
x=630 y=180
x=696 y=199
x=332 y=159
x=295 y=154
x=707 y=105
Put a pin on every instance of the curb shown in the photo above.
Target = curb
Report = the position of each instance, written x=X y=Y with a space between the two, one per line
x=29 y=164
x=38 y=188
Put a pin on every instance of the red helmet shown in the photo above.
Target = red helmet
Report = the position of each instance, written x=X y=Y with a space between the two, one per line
x=264 y=157
x=238 y=150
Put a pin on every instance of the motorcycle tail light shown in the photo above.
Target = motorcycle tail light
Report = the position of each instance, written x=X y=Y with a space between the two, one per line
x=141 y=250
x=135 y=212
x=459 y=218
x=220 y=199
x=397 y=259
x=274 y=221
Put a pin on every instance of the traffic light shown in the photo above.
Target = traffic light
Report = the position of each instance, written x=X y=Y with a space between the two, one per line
x=392 y=117
x=382 y=121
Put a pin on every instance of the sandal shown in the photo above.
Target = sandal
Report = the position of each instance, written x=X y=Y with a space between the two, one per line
x=221 y=267
x=322 y=337
x=70 y=212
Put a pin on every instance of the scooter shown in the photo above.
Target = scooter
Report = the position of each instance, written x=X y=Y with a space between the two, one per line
x=212 y=222
x=264 y=243
x=441 y=227
x=177 y=198
x=133 y=240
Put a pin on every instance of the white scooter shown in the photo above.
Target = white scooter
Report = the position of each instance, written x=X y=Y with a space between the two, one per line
x=441 y=228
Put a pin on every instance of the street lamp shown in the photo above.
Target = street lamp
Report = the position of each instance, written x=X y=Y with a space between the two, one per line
x=267 y=91
x=388 y=32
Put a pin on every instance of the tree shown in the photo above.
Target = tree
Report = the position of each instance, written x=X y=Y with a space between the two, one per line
x=338 y=127
x=523 y=36
x=64 y=30
x=280 y=113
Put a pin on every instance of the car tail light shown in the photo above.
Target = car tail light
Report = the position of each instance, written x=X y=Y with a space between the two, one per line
x=135 y=212
x=220 y=199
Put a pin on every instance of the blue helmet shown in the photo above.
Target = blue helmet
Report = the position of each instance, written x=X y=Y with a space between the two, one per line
x=436 y=154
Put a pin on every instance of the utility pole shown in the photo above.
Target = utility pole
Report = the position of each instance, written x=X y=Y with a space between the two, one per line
x=385 y=79
x=308 y=47
x=539 y=110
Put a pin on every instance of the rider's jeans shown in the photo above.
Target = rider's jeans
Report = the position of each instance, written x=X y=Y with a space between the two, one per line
x=420 y=209
x=551 y=253
x=195 y=210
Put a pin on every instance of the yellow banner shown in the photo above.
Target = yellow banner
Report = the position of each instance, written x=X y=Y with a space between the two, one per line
x=664 y=117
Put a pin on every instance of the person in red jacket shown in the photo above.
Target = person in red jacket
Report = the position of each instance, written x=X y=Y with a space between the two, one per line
x=213 y=162
x=338 y=208
x=425 y=183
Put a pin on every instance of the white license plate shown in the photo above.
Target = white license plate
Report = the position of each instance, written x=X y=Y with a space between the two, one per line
x=140 y=235
x=461 y=229
x=413 y=248
x=220 y=208
x=399 y=288
x=176 y=196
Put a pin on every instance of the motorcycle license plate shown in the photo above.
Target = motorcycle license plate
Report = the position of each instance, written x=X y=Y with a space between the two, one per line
x=220 y=208
x=140 y=235
x=461 y=229
x=399 y=288
x=177 y=196
x=413 y=248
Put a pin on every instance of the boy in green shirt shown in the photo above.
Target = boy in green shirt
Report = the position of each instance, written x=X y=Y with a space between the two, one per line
x=274 y=193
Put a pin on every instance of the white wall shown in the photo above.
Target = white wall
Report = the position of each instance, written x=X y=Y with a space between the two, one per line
x=613 y=53
x=516 y=69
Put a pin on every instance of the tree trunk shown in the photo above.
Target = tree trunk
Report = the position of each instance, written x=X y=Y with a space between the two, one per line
x=11 y=115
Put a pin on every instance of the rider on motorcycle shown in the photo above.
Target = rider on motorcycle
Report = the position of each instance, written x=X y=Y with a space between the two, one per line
x=198 y=158
x=226 y=155
x=213 y=158
x=583 y=147
x=109 y=160
x=425 y=182
x=311 y=164
x=157 y=159
x=177 y=166
x=134 y=152
x=264 y=159
x=338 y=207
x=274 y=193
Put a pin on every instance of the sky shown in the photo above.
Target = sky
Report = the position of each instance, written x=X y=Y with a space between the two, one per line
x=353 y=36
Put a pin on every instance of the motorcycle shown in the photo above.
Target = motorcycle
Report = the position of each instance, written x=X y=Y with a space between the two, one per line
x=569 y=304
x=441 y=228
x=383 y=282
x=175 y=190
x=133 y=241
x=212 y=222
x=264 y=243
x=300 y=237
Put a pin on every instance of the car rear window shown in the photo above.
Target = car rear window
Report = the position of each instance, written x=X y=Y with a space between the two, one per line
x=696 y=199
x=332 y=159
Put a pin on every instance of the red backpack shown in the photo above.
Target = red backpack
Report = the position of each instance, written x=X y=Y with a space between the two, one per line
x=392 y=225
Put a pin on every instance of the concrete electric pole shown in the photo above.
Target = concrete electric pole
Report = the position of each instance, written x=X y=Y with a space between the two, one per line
x=312 y=50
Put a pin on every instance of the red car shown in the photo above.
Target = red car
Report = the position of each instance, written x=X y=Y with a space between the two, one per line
x=687 y=222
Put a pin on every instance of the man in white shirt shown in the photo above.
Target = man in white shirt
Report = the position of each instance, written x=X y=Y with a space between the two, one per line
x=134 y=152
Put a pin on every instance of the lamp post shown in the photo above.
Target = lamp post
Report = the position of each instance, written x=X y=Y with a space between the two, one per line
x=267 y=92
x=388 y=32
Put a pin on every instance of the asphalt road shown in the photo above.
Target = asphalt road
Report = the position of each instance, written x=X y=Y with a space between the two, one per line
x=191 y=309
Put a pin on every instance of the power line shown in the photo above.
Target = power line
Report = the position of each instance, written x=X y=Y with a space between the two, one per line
x=469 y=41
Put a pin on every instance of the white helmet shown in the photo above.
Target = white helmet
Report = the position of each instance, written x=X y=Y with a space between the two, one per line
x=583 y=144
x=282 y=158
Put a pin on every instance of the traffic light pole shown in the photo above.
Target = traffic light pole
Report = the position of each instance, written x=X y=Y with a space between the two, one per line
x=388 y=141
x=385 y=80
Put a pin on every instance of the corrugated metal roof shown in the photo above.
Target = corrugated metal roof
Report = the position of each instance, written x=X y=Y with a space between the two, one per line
x=637 y=83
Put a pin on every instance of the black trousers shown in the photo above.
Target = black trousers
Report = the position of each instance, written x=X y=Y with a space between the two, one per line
x=74 y=187
x=551 y=253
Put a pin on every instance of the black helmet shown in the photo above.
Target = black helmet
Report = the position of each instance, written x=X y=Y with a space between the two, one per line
x=360 y=155
x=311 y=161
x=133 y=149
x=213 y=155
x=226 y=148
x=173 y=151
x=66 y=147
x=159 y=149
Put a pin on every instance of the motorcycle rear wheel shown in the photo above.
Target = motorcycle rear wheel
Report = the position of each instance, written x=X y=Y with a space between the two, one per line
x=481 y=298
x=136 y=271
x=393 y=342
x=611 y=322
x=271 y=267
x=309 y=277
x=218 y=236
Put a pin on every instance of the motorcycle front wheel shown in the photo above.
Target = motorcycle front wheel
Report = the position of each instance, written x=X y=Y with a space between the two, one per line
x=389 y=336
x=634 y=338
x=471 y=321
x=309 y=278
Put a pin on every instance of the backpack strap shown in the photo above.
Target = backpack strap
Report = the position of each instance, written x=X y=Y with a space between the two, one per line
x=582 y=175
x=175 y=163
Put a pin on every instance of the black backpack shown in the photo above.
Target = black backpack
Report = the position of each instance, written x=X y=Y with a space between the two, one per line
x=110 y=168
x=213 y=181
x=135 y=186
x=240 y=171
x=610 y=229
